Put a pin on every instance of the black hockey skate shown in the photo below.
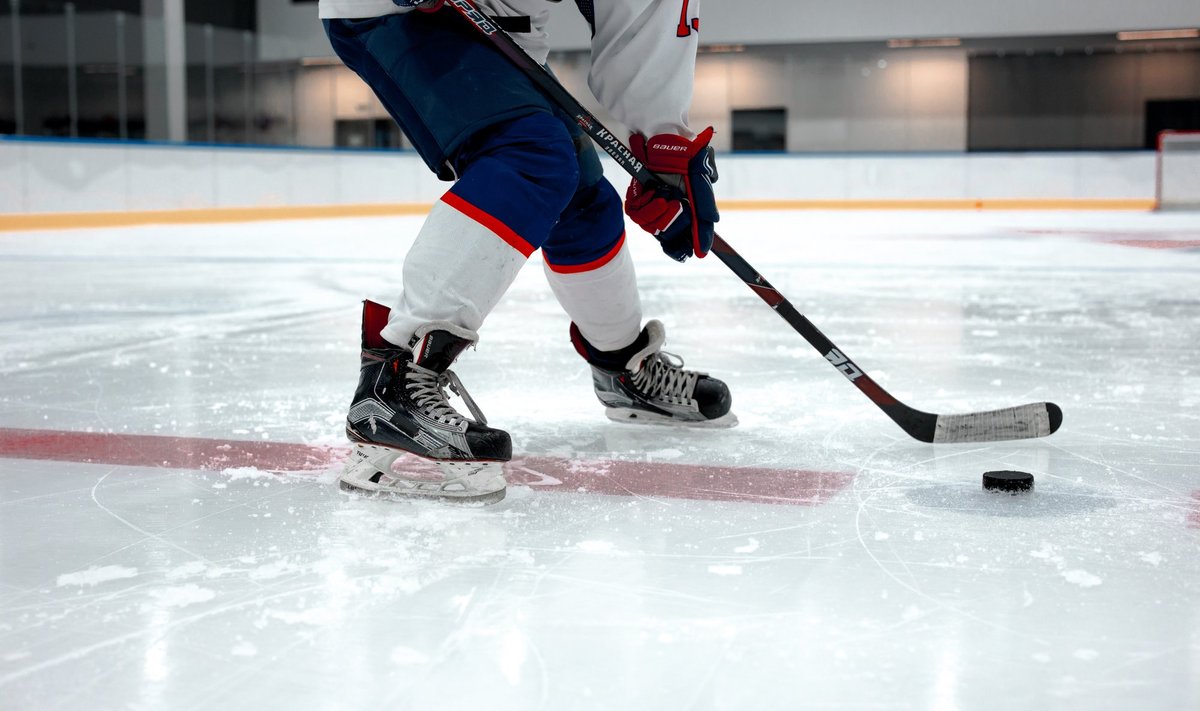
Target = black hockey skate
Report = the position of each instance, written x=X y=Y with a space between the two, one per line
x=643 y=384
x=401 y=406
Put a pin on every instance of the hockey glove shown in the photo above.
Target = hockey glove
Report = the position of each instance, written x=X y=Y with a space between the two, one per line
x=680 y=212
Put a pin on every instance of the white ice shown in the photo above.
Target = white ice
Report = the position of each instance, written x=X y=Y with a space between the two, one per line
x=899 y=584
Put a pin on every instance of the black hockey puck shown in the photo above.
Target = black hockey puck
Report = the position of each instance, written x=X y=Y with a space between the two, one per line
x=1011 y=482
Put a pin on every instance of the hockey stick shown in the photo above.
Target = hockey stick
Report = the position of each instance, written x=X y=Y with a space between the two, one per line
x=1023 y=422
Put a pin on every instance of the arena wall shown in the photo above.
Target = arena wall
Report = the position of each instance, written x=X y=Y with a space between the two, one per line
x=39 y=177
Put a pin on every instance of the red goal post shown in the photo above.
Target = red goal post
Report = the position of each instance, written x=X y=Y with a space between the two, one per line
x=1177 y=171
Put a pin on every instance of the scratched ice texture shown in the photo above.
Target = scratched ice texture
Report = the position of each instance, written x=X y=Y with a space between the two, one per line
x=190 y=551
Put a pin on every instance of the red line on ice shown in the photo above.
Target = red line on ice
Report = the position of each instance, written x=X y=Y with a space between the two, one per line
x=155 y=451
x=1194 y=516
x=615 y=477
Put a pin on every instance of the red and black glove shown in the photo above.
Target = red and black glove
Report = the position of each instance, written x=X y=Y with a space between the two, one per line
x=680 y=213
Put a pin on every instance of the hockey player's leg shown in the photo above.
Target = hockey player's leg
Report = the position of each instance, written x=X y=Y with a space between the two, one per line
x=465 y=257
x=401 y=406
x=590 y=270
x=592 y=275
x=516 y=179
x=406 y=59
x=643 y=384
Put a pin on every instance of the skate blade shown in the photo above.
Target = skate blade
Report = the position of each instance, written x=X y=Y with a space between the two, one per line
x=629 y=416
x=368 y=473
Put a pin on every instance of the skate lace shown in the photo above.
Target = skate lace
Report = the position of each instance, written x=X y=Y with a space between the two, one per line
x=427 y=388
x=662 y=375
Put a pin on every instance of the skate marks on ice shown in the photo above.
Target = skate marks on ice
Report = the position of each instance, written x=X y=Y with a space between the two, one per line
x=954 y=484
x=180 y=597
x=946 y=481
x=1142 y=239
x=1068 y=484
x=601 y=476
x=970 y=498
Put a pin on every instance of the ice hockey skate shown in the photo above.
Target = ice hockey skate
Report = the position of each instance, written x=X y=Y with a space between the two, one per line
x=642 y=384
x=401 y=406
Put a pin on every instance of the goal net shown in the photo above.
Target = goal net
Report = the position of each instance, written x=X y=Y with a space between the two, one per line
x=1179 y=170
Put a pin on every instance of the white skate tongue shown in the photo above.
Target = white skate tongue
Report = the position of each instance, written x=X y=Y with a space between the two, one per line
x=658 y=337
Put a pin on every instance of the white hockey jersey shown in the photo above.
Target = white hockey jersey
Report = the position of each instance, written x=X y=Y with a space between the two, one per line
x=643 y=52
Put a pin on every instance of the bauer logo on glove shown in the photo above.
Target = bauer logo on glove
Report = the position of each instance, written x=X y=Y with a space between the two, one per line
x=680 y=211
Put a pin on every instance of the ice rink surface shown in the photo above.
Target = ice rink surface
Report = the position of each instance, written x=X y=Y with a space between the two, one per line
x=192 y=552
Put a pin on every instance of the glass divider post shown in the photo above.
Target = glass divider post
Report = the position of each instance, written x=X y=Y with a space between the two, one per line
x=122 y=90
x=18 y=85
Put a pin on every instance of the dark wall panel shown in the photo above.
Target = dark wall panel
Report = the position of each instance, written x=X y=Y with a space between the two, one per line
x=235 y=14
x=1072 y=101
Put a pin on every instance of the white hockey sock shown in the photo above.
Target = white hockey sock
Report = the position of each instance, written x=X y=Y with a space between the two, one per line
x=456 y=272
x=603 y=302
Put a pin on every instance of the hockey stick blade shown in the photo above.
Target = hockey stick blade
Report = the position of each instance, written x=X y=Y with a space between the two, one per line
x=1027 y=421
x=1024 y=422
x=1039 y=419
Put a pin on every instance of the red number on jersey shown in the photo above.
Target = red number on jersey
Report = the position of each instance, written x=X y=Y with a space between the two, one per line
x=685 y=28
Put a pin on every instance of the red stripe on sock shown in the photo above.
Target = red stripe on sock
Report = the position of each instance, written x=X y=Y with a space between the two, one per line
x=612 y=477
x=589 y=266
x=500 y=229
